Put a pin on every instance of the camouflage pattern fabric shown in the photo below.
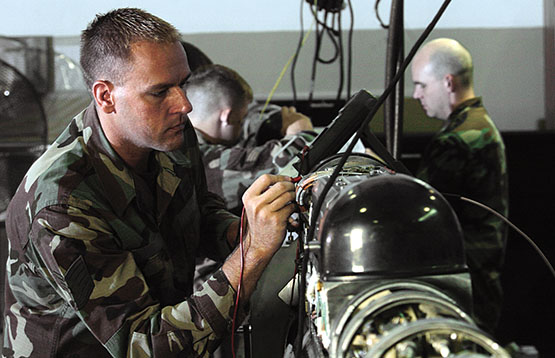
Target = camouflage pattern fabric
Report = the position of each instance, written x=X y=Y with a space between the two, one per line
x=467 y=157
x=231 y=170
x=99 y=266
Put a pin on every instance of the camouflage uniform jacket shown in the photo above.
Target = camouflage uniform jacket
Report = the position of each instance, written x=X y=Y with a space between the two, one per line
x=230 y=170
x=99 y=266
x=467 y=157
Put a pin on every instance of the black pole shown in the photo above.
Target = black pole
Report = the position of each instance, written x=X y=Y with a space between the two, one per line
x=393 y=106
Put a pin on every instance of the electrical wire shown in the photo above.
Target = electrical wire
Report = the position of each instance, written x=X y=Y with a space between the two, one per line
x=278 y=81
x=377 y=11
x=348 y=151
x=314 y=9
x=239 y=285
x=341 y=59
x=350 y=49
x=334 y=33
x=296 y=55
x=295 y=274
x=316 y=56
x=530 y=241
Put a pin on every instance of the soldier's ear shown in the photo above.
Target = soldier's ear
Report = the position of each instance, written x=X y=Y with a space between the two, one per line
x=103 y=93
x=224 y=116
x=450 y=83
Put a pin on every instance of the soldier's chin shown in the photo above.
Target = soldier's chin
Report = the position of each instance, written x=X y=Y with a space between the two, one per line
x=169 y=146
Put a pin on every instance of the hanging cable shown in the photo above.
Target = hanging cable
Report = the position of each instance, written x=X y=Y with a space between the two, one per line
x=377 y=11
x=319 y=34
x=331 y=32
x=282 y=73
x=526 y=237
x=296 y=56
x=341 y=59
x=328 y=26
x=350 y=50
x=242 y=230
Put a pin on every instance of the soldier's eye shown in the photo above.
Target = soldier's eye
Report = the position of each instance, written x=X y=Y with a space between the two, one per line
x=161 y=93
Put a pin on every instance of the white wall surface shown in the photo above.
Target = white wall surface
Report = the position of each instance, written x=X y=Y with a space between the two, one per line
x=69 y=17
x=257 y=38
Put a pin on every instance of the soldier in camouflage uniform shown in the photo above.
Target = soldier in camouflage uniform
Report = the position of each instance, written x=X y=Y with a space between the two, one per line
x=228 y=127
x=467 y=158
x=105 y=227
x=221 y=115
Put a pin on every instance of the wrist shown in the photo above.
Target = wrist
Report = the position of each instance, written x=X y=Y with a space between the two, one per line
x=232 y=235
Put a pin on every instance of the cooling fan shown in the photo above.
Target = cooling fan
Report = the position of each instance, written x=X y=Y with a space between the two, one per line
x=68 y=96
x=40 y=91
x=23 y=129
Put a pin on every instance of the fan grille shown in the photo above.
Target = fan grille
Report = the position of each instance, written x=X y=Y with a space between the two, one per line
x=22 y=118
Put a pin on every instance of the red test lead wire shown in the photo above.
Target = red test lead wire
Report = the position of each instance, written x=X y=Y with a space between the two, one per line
x=241 y=232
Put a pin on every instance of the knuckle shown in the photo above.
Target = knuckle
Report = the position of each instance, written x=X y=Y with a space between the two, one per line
x=266 y=178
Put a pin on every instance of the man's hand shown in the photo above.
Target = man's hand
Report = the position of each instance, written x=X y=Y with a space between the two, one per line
x=268 y=205
x=293 y=122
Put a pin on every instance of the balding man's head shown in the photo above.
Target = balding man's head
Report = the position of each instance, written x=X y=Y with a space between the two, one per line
x=442 y=76
x=447 y=56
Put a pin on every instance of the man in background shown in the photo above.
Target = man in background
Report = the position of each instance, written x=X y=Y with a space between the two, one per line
x=222 y=100
x=467 y=158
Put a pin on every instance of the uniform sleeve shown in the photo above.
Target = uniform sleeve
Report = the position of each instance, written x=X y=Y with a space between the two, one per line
x=231 y=170
x=103 y=285
x=444 y=162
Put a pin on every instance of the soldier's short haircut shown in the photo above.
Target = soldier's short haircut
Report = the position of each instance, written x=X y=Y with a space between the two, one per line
x=209 y=82
x=106 y=42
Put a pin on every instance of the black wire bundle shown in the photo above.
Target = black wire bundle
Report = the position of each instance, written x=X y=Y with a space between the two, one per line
x=329 y=25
